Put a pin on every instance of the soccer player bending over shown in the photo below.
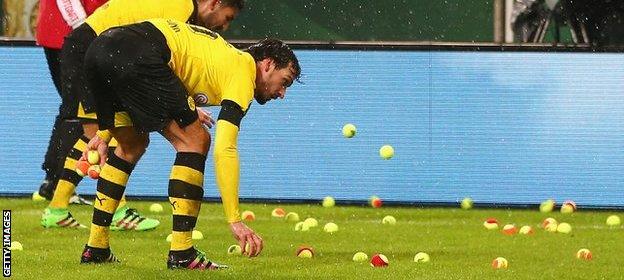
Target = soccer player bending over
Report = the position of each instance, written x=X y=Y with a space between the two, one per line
x=214 y=14
x=154 y=74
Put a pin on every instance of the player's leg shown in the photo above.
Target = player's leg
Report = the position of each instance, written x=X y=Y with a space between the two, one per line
x=57 y=213
x=186 y=192
x=110 y=189
x=64 y=134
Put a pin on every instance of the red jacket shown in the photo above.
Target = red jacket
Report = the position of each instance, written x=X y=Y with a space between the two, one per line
x=52 y=27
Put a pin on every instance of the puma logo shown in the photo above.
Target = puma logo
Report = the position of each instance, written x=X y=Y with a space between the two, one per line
x=101 y=200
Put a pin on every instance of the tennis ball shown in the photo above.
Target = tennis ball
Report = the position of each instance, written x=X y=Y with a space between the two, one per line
x=421 y=257
x=526 y=230
x=386 y=152
x=551 y=227
x=156 y=208
x=500 y=263
x=93 y=157
x=278 y=213
x=568 y=207
x=292 y=217
x=613 y=220
x=94 y=171
x=196 y=235
x=491 y=223
x=169 y=237
x=329 y=201
x=305 y=252
x=388 y=220
x=547 y=206
x=584 y=254
x=248 y=216
x=379 y=260
x=311 y=222
x=466 y=203
x=548 y=221
x=360 y=257
x=299 y=226
x=16 y=246
x=234 y=250
x=375 y=201
x=564 y=228
x=348 y=130
x=37 y=197
x=510 y=229
x=330 y=228
x=82 y=167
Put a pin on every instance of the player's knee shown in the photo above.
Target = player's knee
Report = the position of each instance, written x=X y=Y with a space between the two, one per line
x=133 y=149
x=204 y=142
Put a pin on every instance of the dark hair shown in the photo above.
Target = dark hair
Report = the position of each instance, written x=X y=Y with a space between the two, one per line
x=238 y=4
x=277 y=50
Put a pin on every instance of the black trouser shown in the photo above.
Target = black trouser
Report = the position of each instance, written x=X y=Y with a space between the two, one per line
x=65 y=131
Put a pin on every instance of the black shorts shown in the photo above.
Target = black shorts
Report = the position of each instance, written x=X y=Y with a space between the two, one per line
x=127 y=69
x=74 y=84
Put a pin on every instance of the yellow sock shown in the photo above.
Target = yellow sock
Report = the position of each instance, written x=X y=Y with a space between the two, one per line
x=66 y=185
x=185 y=195
x=110 y=189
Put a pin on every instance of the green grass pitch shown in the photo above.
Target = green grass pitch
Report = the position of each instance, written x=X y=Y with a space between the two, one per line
x=459 y=246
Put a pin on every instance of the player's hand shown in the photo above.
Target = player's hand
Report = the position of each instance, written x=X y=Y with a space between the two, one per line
x=96 y=143
x=245 y=236
x=205 y=117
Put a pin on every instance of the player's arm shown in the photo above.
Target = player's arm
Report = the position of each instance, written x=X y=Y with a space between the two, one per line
x=227 y=165
x=72 y=11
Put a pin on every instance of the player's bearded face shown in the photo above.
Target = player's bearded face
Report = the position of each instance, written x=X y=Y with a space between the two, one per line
x=219 y=19
x=274 y=84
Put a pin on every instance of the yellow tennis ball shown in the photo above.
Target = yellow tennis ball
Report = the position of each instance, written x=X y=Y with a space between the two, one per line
x=526 y=230
x=330 y=228
x=311 y=222
x=360 y=257
x=388 y=220
x=613 y=220
x=348 y=130
x=299 y=226
x=564 y=228
x=37 y=197
x=466 y=203
x=421 y=257
x=386 y=152
x=234 y=250
x=197 y=235
x=156 y=208
x=329 y=201
x=93 y=157
x=16 y=246
x=292 y=217
x=169 y=237
x=547 y=206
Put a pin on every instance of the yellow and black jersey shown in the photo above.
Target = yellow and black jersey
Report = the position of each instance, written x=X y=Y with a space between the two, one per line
x=211 y=69
x=214 y=73
x=123 y=12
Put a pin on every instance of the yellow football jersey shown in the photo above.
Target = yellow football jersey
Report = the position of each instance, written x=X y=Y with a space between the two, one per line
x=123 y=12
x=210 y=68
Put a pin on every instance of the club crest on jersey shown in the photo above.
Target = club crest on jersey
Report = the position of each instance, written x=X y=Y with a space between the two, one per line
x=200 y=99
x=191 y=103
